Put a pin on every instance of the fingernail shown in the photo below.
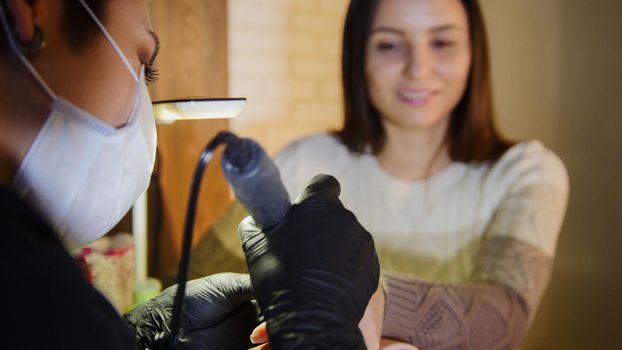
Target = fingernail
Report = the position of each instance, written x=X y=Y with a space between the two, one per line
x=258 y=336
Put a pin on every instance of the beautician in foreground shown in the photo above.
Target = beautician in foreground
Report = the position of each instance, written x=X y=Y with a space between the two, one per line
x=77 y=145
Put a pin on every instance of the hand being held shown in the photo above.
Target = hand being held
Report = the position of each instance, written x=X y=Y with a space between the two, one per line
x=314 y=273
x=370 y=326
x=218 y=313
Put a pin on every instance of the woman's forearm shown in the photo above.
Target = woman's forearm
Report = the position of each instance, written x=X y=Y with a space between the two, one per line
x=492 y=312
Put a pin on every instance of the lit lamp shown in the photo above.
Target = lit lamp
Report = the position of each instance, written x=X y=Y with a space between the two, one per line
x=167 y=112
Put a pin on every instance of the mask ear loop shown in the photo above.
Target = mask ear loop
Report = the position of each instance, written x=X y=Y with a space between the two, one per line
x=21 y=50
x=110 y=40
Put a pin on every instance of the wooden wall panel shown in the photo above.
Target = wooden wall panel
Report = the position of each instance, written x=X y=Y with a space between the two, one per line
x=192 y=62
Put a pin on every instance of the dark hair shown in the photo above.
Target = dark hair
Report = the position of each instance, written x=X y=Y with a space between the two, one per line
x=472 y=136
x=77 y=25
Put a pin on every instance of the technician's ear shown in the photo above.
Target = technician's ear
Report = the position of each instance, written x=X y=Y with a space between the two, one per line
x=22 y=13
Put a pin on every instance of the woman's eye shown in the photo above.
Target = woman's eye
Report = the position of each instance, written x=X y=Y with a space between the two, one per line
x=441 y=44
x=151 y=73
x=387 y=46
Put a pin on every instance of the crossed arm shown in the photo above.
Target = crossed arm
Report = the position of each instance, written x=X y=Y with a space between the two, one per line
x=491 y=312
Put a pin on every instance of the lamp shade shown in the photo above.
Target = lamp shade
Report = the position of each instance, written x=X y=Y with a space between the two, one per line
x=169 y=111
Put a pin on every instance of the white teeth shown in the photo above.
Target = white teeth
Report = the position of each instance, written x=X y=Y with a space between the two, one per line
x=413 y=95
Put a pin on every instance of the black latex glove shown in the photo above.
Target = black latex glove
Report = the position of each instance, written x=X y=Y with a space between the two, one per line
x=314 y=273
x=218 y=313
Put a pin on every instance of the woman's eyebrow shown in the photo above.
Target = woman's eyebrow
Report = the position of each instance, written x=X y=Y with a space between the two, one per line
x=445 y=27
x=387 y=29
x=436 y=29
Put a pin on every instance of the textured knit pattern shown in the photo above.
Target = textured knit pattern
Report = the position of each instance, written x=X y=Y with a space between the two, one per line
x=514 y=264
x=445 y=316
x=492 y=312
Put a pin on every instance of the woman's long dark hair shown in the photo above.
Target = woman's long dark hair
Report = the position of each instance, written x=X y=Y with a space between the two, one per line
x=472 y=136
x=77 y=25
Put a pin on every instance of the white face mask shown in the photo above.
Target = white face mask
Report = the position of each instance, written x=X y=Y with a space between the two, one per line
x=82 y=173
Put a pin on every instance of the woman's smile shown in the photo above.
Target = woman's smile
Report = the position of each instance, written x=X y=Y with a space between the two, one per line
x=416 y=97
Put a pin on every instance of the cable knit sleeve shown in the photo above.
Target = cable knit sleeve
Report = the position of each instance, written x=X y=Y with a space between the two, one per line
x=520 y=241
x=512 y=269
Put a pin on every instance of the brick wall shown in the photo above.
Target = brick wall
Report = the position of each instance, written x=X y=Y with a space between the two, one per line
x=284 y=56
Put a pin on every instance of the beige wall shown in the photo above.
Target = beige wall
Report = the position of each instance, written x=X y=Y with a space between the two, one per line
x=284 y=57
x=557 y=77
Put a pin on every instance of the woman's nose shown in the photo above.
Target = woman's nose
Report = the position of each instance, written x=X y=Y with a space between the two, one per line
x=418 y=64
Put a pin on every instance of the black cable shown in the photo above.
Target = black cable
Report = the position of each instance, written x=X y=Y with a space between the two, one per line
x=182 y=275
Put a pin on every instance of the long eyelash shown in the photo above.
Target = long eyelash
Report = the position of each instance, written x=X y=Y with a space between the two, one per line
x=151 y=73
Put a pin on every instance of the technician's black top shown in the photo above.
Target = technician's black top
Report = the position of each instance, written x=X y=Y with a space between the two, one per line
x=47 y=303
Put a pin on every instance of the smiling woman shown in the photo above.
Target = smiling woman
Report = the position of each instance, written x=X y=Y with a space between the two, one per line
x=413 y=61
x=455 y=43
